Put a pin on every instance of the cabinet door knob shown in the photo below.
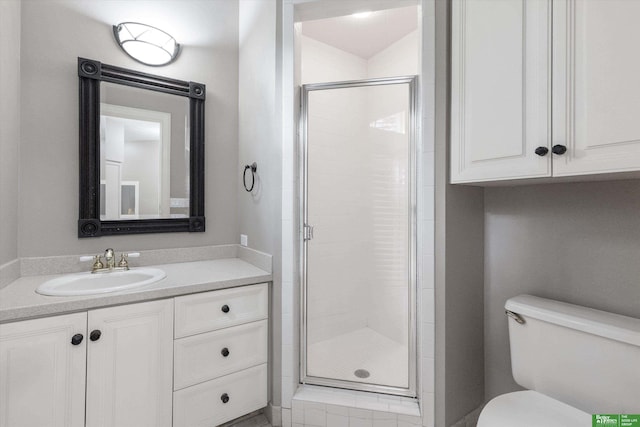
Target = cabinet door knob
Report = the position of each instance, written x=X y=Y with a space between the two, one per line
x=225 y=352
x=77 y=339
x=542 y=151
x=225 y=308
x=559 y=149
x=95 y=335
x=224 y=398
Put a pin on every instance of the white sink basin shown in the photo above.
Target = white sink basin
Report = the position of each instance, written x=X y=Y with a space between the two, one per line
x=100 y=283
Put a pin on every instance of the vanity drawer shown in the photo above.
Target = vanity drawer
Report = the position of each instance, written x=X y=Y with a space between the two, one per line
x=202 y=404
x=201 y=357
x=214 y=310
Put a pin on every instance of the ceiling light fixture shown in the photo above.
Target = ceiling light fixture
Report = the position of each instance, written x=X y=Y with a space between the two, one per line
x=146 y=44
x=361 y=15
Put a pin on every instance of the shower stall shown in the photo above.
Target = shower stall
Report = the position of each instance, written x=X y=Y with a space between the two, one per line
x=358 y=261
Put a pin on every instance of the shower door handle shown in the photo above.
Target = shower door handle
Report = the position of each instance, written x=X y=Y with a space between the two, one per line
x=307 y=232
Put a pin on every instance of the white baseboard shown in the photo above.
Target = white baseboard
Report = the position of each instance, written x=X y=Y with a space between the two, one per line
x=274 y=415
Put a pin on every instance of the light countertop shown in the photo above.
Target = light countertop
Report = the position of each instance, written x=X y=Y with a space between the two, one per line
x=19 y=299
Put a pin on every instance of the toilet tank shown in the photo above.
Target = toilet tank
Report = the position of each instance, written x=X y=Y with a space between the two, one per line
x=587 y=358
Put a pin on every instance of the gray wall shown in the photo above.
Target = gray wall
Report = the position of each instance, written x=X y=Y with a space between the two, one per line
x=578 y=243
x=458 y=265
x=54 y=34
x=260 y=141
x=9 y=128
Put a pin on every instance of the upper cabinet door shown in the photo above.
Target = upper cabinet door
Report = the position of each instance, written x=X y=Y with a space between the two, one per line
x=596 y=98
x=500 y=90
x=42 y=372
x=130 y=365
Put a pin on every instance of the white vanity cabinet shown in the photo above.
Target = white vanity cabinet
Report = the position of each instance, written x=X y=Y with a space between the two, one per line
x=139 y=365
x=130 y=365
x=544 y=88
x=42 y=374
x=125 y=352
x=220 y=355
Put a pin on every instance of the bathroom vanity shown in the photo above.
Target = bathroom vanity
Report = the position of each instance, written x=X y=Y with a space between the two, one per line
x=187 y=350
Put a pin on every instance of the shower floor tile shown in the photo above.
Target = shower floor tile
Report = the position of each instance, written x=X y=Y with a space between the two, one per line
x=385 y=360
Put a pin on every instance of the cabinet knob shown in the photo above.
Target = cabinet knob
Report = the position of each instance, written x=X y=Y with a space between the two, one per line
x=542 y=151
x=77 y=339
x=224 y=398
x=225 y=352
x=95 y=335
x=225 y=308
x=559 y=149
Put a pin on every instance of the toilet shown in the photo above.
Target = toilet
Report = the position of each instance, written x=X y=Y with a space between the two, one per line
x=574 y=362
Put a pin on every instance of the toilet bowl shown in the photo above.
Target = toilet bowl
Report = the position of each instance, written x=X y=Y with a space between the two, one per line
x=574 y=361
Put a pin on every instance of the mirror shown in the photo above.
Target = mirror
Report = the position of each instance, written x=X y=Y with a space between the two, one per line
x=141 y=152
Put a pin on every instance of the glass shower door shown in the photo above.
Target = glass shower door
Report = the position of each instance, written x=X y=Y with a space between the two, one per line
x=358 y=247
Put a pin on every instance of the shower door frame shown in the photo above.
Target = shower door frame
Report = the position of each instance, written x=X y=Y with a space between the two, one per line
x=412 y=82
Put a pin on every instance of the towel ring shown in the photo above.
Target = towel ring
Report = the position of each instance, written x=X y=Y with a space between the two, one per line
x=253 y=167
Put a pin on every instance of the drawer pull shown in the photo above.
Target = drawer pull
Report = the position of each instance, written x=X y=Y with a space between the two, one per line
x=559 y=149
x=95 y=335
x=541 y=151
x=224 y=398
x=225 y=352
x=76 y=339
x=225 y=308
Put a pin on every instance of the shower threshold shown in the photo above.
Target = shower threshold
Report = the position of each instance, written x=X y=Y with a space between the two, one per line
x=334 y=398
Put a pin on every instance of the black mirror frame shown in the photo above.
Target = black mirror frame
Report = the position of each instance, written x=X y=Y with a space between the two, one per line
x=91 y=73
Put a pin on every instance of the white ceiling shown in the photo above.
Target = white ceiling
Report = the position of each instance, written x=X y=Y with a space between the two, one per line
x=309 y=10
x=191 y=22
x=367 y=36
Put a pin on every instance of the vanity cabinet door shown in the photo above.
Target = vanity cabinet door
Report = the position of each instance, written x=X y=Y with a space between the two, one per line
x=130 y=365
x=500 y=90
x=596 y=89
x=42 y=372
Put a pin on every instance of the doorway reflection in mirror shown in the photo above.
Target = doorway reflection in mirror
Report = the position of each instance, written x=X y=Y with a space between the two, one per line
x=144 y=154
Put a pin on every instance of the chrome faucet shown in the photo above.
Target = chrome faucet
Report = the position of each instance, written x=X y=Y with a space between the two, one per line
x=110 y=258
x=110 y=261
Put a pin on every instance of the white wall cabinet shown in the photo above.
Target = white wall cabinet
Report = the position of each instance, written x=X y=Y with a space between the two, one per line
x=126 y=353
x=596 y=86
x=506 y=58
x=500 y=99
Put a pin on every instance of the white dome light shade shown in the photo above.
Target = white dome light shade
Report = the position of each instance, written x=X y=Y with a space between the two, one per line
x=146 y=44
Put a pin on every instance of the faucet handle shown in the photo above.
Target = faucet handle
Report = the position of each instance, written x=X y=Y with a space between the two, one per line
x=97 y=261
x=97 y=264
x=123 y=263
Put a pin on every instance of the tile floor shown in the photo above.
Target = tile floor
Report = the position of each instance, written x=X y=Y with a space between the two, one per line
x=258 y=420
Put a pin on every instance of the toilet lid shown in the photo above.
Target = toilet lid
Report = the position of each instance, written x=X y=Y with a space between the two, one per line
x=531 y=409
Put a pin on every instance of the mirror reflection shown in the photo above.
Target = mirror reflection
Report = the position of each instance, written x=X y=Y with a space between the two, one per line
x=144 y=154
